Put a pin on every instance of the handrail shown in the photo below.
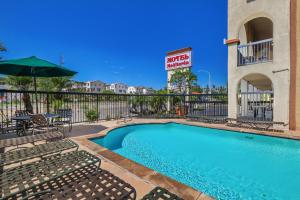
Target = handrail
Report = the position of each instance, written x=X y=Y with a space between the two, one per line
x=255 y=52
x=254 y=43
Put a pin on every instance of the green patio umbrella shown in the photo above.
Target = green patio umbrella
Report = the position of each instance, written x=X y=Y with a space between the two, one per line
x=34 y=67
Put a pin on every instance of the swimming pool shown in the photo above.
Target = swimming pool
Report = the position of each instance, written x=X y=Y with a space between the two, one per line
x=223 y=164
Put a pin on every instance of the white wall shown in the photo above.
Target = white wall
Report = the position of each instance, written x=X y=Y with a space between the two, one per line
x=239 y=12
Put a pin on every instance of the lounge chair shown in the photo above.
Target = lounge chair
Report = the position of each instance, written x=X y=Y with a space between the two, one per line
x=17 y=181
x=206 y=119
x=160 y=193
x=258 y=125
x=85 y=183
x=37 y=151
x=30 y=139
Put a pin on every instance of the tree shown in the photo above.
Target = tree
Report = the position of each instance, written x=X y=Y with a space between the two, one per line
x=191 y=79
x=197 y=89
x=159 y=103
x=206 y=89
x=2 y=48
x=107 y=92
x=55 y=84
x=23 y=84
x=183 y=79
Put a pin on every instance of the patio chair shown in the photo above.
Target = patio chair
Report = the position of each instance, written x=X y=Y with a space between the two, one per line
x=22 y=125
x=269 y=114
x=65 y=117
x=160 y=193
x=21 y=113
x=7 y=125
x=38 y=151
x=40 y=124
x=124 y=118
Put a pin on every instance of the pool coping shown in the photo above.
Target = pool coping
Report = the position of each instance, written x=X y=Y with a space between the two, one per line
x=153 y=176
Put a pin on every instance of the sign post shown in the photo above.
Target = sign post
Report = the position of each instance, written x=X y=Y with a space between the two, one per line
x=175 y=60
x=180 y=59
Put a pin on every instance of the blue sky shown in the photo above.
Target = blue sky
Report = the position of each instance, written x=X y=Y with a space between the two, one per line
x=118 y=40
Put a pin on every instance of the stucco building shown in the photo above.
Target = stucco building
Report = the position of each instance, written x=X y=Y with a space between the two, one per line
x=118 y=88
x=295 y=66
x=95 y=86
x=134 y=90
x=261 y=61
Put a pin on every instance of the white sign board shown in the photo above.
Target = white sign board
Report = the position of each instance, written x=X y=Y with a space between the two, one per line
x=180 y=60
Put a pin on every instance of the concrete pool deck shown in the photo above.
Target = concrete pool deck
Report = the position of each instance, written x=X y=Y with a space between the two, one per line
x=143 y=178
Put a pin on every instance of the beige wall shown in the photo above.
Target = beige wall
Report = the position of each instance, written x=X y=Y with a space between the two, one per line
x=239 y=12
x=298 y=70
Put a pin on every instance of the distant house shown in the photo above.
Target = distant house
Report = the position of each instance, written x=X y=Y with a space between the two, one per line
x=118 y=88
x=131 y=90
x=135 y=90
x=148 y=91
x=77 y=85
x=95 y=86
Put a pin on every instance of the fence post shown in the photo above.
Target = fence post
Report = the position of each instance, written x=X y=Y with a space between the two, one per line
x=47 y=102
x=97 y=103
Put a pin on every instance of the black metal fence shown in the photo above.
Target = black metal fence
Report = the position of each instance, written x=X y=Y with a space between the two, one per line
x=113 y=106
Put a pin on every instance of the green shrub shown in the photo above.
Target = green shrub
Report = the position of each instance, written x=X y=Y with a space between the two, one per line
x=92 y=115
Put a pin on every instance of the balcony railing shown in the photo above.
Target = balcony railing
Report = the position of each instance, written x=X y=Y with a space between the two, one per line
x=257 y=106
x=256 y=52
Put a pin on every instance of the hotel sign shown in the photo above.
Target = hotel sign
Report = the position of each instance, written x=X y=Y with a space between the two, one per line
x=178 y=59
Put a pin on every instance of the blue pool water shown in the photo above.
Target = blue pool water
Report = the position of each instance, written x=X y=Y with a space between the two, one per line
x=223 y=164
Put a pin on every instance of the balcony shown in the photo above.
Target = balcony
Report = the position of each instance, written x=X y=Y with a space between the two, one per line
x=256 y=52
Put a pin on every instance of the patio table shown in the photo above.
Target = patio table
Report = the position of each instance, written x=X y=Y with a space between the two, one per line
x=51 y=115
x=22 y=122
x=23 y=119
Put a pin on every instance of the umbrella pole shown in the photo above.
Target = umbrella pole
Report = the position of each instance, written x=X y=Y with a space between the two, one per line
x=36 y=98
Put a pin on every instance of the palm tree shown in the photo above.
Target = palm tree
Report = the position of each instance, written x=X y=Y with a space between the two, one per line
x=183 y=80
x=55 y=84
x=2 y=47
x=23 y=84
x=190 y=79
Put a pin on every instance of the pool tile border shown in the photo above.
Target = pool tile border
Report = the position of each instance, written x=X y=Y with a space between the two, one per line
x=141 y=171
x=152 y=176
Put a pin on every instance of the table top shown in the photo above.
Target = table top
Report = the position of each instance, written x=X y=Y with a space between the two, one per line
x=51 y=115
x=28 y=117
x=21 y=118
